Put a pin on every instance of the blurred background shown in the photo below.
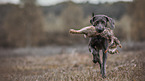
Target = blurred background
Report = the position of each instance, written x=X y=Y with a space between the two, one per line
x=41 y=27
x=35 y=23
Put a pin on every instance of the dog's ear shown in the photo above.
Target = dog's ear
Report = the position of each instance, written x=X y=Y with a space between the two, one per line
x=93 y=14
x=92 y=20
x=111 y=22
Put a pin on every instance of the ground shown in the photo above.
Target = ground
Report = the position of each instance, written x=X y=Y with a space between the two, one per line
x=126 y=66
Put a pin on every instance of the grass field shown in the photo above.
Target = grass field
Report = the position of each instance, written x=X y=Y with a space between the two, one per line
x=126 y=66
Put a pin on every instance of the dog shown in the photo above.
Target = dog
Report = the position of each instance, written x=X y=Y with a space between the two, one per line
x=98 y=42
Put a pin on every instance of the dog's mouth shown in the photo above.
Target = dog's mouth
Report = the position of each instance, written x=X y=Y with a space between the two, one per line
x=99 y=31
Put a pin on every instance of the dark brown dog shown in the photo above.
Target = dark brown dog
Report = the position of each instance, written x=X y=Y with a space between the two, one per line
x=98 y=42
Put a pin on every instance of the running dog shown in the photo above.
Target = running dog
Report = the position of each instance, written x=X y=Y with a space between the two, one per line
x=98 y=42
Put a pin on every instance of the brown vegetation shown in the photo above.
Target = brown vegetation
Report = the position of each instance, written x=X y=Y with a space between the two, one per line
x=126 y=66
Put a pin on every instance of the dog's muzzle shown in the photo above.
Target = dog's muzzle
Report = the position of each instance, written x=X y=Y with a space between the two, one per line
x=99 y=30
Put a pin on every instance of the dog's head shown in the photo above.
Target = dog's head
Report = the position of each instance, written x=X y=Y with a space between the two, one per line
x=100 y=22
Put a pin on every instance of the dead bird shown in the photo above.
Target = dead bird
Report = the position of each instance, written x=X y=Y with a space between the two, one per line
x=90 y=31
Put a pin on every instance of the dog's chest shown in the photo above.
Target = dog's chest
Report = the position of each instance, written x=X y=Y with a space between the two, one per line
x=97 y=41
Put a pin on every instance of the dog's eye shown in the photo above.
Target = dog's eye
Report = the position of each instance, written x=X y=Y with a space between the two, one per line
x=102 y=22
x=97 y=22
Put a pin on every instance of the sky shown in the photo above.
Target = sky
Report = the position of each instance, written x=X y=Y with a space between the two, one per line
x=53 y=2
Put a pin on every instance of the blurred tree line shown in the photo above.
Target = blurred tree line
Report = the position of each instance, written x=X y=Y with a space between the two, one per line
x=22 y=26
x=137 y=12
x=27 y=24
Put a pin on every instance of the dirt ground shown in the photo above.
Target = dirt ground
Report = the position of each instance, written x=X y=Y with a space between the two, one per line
x=126 y=66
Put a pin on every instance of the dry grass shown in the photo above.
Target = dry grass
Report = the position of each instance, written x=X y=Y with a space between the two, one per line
x=127 y=66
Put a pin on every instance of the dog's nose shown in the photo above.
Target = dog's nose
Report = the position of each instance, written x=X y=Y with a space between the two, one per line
x=99 y=30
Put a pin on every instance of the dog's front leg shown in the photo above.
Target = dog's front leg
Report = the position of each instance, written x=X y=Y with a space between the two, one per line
x=103 y=70
x=96 y=56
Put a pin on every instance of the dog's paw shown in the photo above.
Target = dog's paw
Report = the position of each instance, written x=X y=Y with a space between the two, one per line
x=103 y=76
x=94 y=61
